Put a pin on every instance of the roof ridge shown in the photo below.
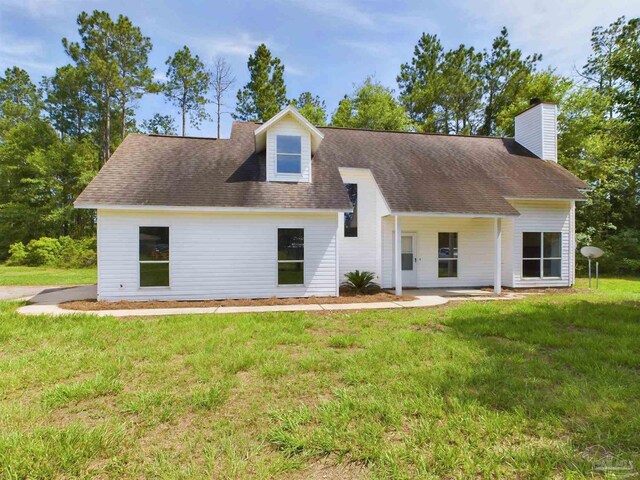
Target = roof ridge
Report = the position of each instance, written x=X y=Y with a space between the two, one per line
x=495 y=137
x=179 y=136
x=417 y=133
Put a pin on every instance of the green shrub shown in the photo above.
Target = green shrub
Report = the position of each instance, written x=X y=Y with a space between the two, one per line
x=621 y=254
x=17 y=254
x=64 y=252
x=43 y=251
x=361 y=282
x=77 y=253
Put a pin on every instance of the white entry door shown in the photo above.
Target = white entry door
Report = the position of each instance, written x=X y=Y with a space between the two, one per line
x=409 y=266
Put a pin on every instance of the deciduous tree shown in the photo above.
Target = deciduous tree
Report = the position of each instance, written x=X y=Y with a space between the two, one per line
x=222 y=80
x=371 y=106
x=312 y=108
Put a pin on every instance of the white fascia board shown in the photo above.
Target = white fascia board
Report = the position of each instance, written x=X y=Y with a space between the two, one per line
x=533 y=199
x=167 y=208
x=261 y=131
x=366 y=171
x=445 y=214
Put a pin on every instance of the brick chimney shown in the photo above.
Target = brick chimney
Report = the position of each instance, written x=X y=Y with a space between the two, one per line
x=537 y=129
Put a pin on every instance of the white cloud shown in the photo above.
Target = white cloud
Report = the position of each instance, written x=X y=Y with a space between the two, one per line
x=559 y=30
x=27 y=53
x=292 y=70
x=365 y=15
x=39 y=9
x=343 y=10
x=241 y=44
x=375 y=49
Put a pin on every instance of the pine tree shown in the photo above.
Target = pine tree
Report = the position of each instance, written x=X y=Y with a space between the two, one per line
x=20 y=99
x=132 y=57
x=265 y=94
x=187 y=85
x=69 y=103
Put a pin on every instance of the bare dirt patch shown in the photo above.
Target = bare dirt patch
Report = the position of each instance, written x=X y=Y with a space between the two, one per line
x=330 y=468
x=92 y=305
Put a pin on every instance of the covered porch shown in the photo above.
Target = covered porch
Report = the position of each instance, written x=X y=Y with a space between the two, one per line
x=447 y=252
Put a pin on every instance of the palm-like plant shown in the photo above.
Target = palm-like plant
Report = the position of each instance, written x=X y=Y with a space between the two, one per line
x=361 y=282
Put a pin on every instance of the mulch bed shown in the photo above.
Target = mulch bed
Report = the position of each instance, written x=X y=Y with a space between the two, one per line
x=91 y=305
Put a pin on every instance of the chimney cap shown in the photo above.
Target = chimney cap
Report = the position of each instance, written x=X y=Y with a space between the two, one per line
x=534 y=102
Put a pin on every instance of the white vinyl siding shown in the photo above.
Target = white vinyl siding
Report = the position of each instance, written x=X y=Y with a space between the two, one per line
x=549 y=132
x=542 y=216
x=363 y=252
x=288 y=127
x=476 y=250
x=536 y=130
x=215 y=255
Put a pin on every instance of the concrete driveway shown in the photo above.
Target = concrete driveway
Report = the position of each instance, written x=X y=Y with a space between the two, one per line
x=49 y=294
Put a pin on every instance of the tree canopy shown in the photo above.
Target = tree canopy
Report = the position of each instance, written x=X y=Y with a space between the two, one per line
x=371 y=105
x=312 y=107
x=56 y=134
x=265 y=94
x=187 y=86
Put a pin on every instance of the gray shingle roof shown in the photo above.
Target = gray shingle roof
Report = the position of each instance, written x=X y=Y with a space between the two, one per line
x=415 y=172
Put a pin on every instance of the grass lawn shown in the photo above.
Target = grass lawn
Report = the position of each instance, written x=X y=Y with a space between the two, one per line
x=544 y=387
x=46 y=276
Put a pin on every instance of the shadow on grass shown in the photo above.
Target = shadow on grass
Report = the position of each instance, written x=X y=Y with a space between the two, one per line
x=498 y=389
x=576 y=361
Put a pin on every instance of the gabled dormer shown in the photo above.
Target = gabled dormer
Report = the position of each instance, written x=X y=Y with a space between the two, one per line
x=290 y=140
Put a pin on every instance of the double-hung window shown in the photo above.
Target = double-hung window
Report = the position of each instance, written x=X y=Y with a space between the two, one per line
x=288 y=154
x=541 y=254
x=154 y=256
x=351 y=218
x=290 y=256
x=447 y=254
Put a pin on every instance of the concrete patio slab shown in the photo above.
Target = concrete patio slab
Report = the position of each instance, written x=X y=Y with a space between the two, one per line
x=424 y=301
x=359 y=306
x=271 y=308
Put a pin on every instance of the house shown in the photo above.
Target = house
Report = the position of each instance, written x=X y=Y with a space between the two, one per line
x=285 y=209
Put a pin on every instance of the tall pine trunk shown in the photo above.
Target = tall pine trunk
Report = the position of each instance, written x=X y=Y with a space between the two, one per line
x=107 y=126
x=123 y=106
x=184 y=112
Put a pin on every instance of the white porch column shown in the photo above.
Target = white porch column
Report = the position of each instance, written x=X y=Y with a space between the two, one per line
x=397 y=277
x=497 y=282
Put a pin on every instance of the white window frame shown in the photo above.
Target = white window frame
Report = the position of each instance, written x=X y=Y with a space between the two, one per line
x=354 y=211
x=299 y=155
x=278 y=261
x=140 y=262
x=449 y=259
x=541 y=258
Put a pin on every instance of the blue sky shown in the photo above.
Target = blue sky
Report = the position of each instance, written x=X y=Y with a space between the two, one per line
x=325 y=45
